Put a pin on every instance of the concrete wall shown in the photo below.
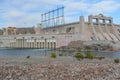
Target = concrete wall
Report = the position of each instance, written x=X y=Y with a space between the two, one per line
x=38 y=41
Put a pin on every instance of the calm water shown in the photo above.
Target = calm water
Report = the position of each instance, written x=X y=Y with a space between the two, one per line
x=46 y=52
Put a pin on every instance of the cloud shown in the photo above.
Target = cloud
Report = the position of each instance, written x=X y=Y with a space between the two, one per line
x=85 y=8
x=104 y=7
x=28 y=12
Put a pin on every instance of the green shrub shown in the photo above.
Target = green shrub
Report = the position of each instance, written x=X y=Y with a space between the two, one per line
x=116 y=60
x=89 y=55
x=27 y=57
x=79 y=55
x=53 y=55
x=100 y=58
x=60 y=54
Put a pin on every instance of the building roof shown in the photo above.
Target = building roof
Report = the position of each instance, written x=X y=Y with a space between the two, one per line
x=25 y=31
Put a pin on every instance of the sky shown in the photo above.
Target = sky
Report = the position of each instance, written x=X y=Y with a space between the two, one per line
x=27 y=13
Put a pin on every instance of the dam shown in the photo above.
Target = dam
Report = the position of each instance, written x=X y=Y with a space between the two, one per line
x=97 y=28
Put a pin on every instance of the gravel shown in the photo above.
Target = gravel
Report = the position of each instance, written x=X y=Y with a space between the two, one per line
x=61 y=68
x=88 y=71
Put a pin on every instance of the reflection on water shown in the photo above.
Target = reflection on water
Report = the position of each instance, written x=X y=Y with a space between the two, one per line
x=23 y=52
x=46 y=52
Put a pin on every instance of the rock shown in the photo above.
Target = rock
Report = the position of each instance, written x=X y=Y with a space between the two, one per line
x=87 y=71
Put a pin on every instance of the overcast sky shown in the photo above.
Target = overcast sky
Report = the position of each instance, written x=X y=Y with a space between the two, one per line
x=27 y=13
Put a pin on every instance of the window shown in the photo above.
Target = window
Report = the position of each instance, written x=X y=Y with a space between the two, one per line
x=53 y=36
x=68 y=29
x=54 y=30
x=42 y=37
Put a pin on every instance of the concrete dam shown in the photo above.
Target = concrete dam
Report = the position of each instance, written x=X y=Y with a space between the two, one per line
x=97 y=28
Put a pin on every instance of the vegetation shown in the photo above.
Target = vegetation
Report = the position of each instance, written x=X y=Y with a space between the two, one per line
x=89 y=55
x=27 y=57
x=100 y=58
x=26 y=63
x=79 y=55
x=116 y=60
x=53 y=55
x=60 y=54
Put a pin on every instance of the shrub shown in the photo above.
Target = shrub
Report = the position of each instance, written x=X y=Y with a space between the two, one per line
x=100 y=58
x=89 y=55
x=116 y=60
x=53 y=55
x=79 y=55
x=27 y=57
x=60 y=54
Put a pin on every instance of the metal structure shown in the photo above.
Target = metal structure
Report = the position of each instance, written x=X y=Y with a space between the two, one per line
x=53 y=18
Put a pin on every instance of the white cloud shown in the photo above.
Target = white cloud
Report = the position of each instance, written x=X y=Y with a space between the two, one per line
x=28 y=12
x=13 y=14
x=104 y=7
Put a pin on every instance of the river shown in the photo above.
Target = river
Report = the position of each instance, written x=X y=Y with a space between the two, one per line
x=45 y=52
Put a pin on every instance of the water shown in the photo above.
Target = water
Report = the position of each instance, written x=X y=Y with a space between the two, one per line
x=108 y=54
x=46 y=52
x=23 y=52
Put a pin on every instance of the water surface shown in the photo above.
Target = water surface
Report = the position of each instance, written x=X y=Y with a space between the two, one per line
x=46 y=52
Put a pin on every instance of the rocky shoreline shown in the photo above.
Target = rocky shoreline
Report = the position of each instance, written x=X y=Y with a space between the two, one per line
x=88 y=71
x=91 y=45
x=61 y=68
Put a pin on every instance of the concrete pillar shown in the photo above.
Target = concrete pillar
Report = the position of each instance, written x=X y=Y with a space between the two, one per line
x=10 y=43
x=35 y=43
x=40 y=44
x=101 y=31
x=92 y=26
x=97 y=21
x=21 y=43
x=30 y=44
x=104 y=21
x=48 y=44
x=39 y=29
x=113 y=28
x=25 y=43
x=90 y=18
x=83 y=29
x=111 y=21
x=82 y=23
x=45 y=44
x=115 y=32
x=51 y=45
x=107 y=29
x=18 y=43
